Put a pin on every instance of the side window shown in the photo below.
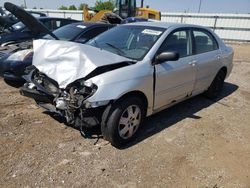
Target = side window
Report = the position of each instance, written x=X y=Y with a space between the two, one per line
x=178 y=41
x=58 y=23
x=93 y=33
x=204 y=42
x=64 y=22
x=48 y=24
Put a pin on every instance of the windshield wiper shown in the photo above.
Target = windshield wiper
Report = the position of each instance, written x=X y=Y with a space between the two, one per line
x=116 y=48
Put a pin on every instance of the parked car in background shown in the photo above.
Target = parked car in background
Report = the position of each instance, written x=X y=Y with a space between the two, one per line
x=29 y=27
x=7 y=19
x=20 y=32
x=127 y=73
x=80 y=32
x=13 y=65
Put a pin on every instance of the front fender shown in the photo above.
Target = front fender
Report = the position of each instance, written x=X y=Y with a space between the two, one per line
x=115 y=84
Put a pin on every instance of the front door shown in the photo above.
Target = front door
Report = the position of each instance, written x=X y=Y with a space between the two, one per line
x=175 y=79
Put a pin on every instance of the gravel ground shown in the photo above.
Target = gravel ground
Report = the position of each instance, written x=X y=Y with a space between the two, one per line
x=198 y=143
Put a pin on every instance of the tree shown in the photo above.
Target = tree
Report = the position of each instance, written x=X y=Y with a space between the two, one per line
x=63 y=8
x=107 y=5
x=81 y=6
x=72 y=7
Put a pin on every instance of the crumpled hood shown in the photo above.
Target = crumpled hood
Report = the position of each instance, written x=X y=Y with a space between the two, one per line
x=66 y=62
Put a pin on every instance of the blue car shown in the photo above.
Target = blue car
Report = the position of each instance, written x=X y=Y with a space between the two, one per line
x=29 y=27
x=20 y=32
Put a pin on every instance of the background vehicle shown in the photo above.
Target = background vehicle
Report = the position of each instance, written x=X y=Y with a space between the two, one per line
x=13 y=65
x=123 y=9
x=20 y=32
x=7 y=20
x=29 y=27
x=127 y=73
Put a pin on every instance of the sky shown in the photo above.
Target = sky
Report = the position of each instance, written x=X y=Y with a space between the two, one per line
x=207 y=6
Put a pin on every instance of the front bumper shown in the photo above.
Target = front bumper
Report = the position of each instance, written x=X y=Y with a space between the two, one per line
x=90 y=116
x=13 y=70
x=39 y=97
x=12 y=77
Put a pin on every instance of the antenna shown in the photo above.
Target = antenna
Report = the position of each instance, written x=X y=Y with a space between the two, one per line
x=142 y=3
x=200 y=6
x=25 y=5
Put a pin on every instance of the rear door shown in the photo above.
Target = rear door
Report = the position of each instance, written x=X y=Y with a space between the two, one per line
x=207 y=57
x=175 y=79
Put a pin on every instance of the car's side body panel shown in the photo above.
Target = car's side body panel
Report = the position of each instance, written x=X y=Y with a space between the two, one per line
x=114 y=84
x=174 y=80
x=207 y=65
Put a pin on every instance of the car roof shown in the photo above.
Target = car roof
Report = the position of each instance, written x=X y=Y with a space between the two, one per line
x=165 y=25
x=89 y=24
x=49 y=18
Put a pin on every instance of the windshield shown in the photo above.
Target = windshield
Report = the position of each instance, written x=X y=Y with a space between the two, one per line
x=18 y=26
x=67 y=33
x=129 y=41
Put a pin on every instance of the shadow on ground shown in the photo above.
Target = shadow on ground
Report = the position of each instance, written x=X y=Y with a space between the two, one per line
x=166 y=118
x=186 y=109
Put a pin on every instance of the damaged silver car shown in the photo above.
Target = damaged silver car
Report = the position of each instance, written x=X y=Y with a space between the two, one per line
x=127 y=73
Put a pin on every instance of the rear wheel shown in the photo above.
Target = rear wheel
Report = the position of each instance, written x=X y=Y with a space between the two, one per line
x=216 y=86
x=122 y=121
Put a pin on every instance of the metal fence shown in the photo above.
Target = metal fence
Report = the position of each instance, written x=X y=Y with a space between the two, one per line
x=234 y=27
x=230 y=27
x=73 y=14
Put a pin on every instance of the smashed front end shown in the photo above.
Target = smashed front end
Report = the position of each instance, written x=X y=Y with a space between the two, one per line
x=69 y=102
x=60 y=81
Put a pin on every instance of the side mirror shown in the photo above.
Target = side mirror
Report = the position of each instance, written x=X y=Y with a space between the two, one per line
x=166 y=56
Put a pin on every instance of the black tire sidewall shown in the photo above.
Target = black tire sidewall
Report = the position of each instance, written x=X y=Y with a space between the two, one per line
x=110 y=129
x=215 y=88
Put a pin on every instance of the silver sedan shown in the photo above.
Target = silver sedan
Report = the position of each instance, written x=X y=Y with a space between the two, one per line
x=127 y=73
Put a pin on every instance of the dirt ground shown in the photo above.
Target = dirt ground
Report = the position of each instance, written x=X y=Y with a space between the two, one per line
x=198 y=143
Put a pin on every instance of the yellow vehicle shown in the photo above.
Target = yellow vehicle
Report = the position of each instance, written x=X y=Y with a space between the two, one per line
x=124 y=9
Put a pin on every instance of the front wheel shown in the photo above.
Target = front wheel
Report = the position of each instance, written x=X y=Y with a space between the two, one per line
x=123 y=120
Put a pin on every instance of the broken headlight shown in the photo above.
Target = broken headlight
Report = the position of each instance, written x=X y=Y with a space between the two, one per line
x=20 y=55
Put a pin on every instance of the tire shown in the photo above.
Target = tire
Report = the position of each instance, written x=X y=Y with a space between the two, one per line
x=14 y=83
x=216 y=86
x=121 y=120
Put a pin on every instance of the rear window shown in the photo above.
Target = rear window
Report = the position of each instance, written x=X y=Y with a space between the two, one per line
x=18 y=26
x=68 y=32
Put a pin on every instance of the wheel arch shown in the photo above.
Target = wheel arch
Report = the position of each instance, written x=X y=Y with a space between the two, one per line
x=224 y=70
x=135 y=93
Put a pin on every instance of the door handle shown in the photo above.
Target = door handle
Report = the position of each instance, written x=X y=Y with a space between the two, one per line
x=192 y=63
x=218 y=56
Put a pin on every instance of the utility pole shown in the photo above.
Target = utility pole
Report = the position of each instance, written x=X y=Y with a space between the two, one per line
x=200 y=6
x=25 y=5
x=142 y=2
